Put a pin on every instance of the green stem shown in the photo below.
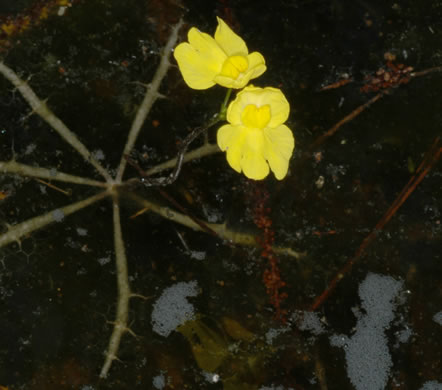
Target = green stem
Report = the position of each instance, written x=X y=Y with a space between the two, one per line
x=223 y=110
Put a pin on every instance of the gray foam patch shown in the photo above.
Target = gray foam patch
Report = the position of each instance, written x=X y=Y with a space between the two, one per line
x=367 y=355
x=438 y=318
x=310 y=321
x=172 y=308
x=431 y=385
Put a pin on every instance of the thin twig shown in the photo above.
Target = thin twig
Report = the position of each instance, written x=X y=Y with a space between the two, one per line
x=46 y=183
x=356 y=111
x=344 y=120
x=426 y=71
x=429 y=160
x=337 y=84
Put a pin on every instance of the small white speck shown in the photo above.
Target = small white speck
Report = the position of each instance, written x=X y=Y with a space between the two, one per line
x=104 y=260
x=30 y=148
x=341 y=102
x=211 y=377
x=320 y=182
x=82 y=232
x=98 y=155
x=58 y=215
x=61 y=11
x=197 y=255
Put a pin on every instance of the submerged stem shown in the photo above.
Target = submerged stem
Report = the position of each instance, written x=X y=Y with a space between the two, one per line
x=120 y=323
x=14 y=167
x=16 y=232
x=39 y=107
x=149 y=99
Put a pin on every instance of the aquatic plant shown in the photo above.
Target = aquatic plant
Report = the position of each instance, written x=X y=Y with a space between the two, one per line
x=113 y=185
x=108 y=187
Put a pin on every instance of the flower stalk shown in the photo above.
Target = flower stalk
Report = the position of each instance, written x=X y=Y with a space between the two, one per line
x=223 y=110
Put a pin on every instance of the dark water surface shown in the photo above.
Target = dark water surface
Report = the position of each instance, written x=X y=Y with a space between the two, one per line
x=208 y=322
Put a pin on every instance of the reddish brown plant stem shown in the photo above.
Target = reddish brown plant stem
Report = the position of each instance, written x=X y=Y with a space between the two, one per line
x=426 y=71
x=343 y=121
x=429 y=160
x=272 y=274
x=337 y=84
x=358 y=110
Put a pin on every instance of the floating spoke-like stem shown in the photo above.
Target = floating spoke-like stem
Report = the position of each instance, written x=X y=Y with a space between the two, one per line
x=16 y=232
x=202 y=151
x=14 y=167
x=167 y=180
x=205 y=150
x=120 y=323
x=221 y=229
x=39 y=107
x=149 y=99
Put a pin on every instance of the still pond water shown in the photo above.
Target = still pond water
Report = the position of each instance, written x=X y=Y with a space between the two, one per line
x=209 y=319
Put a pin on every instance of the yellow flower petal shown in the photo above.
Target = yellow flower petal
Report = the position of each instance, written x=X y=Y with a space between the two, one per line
x=224 y=60
x=236 y=107
x=279 y=106
x=255 y=117
x=236 y=75
x=224 y=136
x=229 y=82
x=278 y=148
x=254 y=166
x=233 y=66
x=192 y=67
x=256 y=64
x=200 y=60
x=254 y=146
x=206 y=46
x=231 y=139
x=253 y=162
x=249 y=95
x=231 y=43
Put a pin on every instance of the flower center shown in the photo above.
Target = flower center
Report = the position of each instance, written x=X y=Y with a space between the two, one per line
x=233 y=66
x=255 y=117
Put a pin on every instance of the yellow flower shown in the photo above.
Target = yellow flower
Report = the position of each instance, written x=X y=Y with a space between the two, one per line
x=256 y=137
x=223 y=60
